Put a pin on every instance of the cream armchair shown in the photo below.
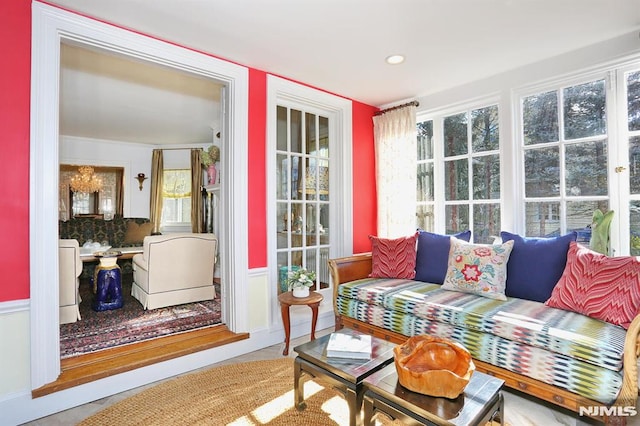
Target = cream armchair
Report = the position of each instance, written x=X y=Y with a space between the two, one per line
x=174 y=269
x=70 y=270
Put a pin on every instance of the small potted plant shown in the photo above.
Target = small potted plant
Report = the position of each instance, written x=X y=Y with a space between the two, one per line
x=299 y=282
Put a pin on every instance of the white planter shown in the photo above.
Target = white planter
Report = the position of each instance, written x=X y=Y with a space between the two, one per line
x=301 y=292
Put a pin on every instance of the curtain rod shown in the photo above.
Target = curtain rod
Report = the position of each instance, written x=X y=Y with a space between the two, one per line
x=414 y=103
x=179 y=149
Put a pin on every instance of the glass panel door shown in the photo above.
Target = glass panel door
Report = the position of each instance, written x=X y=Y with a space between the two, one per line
x=632 y=85
x=302 y=195
x=566 y=154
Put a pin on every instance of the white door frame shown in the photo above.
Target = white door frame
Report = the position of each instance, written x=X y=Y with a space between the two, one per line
x=51 y=26
x=339 y=111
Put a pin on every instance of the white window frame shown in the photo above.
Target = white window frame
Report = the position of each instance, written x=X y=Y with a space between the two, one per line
x=428 y=161
x=614 y=194
x=622 y=152
x=176 y=226
x=437 y=116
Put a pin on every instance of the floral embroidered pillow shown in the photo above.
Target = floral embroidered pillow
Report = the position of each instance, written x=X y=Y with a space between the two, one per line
x=478 y=268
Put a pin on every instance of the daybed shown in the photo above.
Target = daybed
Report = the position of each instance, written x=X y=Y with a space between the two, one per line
x=585 y=364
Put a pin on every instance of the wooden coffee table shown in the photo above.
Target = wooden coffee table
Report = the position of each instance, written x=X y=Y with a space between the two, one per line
x=480 y=402
x=346 y=375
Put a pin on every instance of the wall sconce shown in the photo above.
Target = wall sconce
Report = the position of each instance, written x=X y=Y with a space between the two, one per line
x=141 y=178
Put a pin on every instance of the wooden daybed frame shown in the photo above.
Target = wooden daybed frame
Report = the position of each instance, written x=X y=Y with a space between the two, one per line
x=356 y=267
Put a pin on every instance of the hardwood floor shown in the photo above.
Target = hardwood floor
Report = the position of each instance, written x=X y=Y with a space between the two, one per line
x=94 y=366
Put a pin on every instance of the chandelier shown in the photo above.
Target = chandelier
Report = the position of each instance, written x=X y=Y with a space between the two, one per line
x=85 y=181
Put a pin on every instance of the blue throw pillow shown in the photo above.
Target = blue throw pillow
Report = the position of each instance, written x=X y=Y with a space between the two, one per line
x=432 y=256
x=535 y=265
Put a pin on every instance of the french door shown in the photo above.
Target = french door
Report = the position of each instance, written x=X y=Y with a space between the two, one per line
x=303 y=160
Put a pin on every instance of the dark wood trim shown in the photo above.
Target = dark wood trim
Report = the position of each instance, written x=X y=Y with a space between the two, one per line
x=414 y=103
x=98 y=365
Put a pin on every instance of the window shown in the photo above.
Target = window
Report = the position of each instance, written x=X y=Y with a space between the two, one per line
x=577 y=144
x=472 y=173
x=425 y=192
x=579 y=140
x=632 y=101
x=470 y=178
x=176 y=197
x=566 y=151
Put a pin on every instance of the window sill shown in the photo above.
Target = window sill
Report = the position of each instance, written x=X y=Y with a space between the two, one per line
x=175 y=227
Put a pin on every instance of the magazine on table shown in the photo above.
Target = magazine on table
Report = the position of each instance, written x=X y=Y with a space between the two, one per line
x=347 y=345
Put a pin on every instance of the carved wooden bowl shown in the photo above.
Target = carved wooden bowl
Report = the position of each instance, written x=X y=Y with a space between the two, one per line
x=433 y=366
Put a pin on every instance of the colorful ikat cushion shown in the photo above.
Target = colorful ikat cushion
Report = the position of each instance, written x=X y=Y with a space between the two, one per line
x=478 y=268
x=393 y=258
x=433 y=255
x=602 y=287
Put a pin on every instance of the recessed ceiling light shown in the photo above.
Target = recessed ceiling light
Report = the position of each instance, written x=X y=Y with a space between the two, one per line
x=395 y=59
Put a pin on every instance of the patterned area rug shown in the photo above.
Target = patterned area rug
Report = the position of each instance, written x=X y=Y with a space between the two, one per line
x=131 y=324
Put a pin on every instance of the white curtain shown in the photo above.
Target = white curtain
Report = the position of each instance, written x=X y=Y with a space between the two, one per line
x=395 y=147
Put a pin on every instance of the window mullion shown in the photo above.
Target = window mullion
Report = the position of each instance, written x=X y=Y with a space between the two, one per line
x=562 y=163
x=619 y=183
x=439 y=175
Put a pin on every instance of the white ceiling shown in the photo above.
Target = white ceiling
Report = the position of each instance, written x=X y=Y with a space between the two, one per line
x=340 y=45
x=109 y=97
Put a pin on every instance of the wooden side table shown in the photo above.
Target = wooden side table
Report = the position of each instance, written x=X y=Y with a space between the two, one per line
x=286 y=300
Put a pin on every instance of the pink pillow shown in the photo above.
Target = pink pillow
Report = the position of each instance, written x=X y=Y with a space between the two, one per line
x=606 y=288
x=393 y=258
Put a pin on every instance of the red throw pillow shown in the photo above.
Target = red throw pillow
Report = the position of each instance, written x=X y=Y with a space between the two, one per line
x=393 y=258
x=607 y=288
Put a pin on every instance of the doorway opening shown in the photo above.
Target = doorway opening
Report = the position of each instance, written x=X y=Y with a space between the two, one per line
x=51 y=28
x=117 y=110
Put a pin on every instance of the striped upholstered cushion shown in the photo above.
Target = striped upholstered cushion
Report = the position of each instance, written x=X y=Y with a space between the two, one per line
x=522 y=321
x=575 y=375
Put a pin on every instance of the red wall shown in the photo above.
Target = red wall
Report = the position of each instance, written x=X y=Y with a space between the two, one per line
x=15 y=45
x=364 y=178
x=257 y=202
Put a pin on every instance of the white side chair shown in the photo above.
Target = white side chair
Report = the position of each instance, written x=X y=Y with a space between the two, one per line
x=70 y=270
x=174 y=269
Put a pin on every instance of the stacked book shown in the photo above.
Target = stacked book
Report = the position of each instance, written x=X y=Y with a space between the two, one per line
x=349 y=345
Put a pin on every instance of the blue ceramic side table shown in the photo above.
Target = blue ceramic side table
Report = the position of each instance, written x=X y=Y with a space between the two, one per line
x=107 y=282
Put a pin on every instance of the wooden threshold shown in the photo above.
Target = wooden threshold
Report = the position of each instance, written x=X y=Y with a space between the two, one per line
x=87 y=368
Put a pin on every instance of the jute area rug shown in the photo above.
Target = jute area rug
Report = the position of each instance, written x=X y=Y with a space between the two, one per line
x=253 y=393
